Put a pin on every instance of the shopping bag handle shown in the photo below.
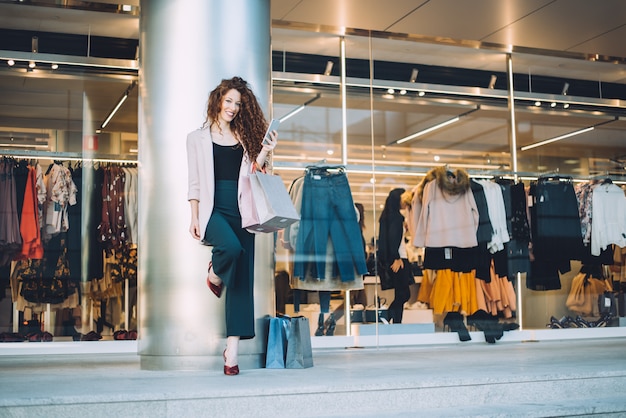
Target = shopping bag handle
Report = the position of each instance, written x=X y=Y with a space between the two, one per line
x=255 y=167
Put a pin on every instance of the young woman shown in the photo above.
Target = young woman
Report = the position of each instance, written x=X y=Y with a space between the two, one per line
x=392 y=252
x=219 y=156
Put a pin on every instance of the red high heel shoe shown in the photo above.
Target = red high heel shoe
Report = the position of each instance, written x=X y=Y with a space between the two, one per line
x=215 y=288
x=228 y=370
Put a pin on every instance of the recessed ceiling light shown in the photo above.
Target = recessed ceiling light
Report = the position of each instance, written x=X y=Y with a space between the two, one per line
x=32 y=64
x=11 y=63
x=571 y=161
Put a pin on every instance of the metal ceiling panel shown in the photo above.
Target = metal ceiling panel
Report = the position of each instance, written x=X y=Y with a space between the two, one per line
x=610 y=43
x=466 y=20
x=362 y=14
x=564 y=25
x=59 y=20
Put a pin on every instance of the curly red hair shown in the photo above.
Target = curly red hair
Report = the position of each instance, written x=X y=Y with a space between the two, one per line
x=249 y=125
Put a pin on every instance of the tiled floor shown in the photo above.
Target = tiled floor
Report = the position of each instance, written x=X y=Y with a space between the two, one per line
x=547 y=378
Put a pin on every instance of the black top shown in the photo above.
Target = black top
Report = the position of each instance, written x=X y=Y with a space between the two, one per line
x=227 y=160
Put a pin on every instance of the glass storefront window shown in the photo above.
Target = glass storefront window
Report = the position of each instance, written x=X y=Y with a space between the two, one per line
x=69 y=168
x=387 y=124
x=411 y=107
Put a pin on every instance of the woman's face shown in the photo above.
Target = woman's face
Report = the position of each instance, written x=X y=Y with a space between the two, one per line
x=231 y=103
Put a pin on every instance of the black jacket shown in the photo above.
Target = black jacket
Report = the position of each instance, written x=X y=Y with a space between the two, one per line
x=390 y=236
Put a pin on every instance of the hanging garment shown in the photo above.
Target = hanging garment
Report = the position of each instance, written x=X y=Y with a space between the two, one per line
x=498 y=295
x=131 y=203
x=556 y=231
x=10 y=238
x=584 y=196
x=517 y=249
x=497 y=215
x=61 y=193
x=328 y=212
x=112 y=227
x=608 y=224
x=32 y=246
x=448 y=291
x=446 y=211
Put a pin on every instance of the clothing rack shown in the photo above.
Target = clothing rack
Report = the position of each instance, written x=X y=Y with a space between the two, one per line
x=421 y=170
x=60 y=158
x=69 y=156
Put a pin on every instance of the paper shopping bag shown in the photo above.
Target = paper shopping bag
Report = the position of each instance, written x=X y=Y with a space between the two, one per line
x=277 y=342
x=299 y=351
x=247 y=208
x=273 y=205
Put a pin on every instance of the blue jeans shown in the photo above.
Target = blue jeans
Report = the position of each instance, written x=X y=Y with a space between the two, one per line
x=328 y=211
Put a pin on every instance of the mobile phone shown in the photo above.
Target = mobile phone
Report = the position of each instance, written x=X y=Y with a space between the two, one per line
x=273 y=127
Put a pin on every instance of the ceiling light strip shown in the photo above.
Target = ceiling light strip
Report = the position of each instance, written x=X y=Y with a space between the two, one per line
x=557 y=138
x=428 y=130
x=299 y=108
x=434 y=128
x=118 y=105
x=568 y=135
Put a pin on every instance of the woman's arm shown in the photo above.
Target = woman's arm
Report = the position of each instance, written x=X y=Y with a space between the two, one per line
x=268 y=146
x=194 y=228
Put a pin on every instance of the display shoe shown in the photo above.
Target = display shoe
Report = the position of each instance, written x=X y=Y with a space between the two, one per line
x=554 y=323
x=582 y=323
x=230 y=370
x=320 y=326
x=330 y=325
x=602 y=322
x=510 y=326
x=34 y=336
x=91 y=336
x=215 y=288
x=120 y=334
x=454 y=321
x=488 y=324
x=570 y=322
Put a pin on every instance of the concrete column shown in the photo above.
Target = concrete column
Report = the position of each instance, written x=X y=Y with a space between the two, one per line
x=186 y=48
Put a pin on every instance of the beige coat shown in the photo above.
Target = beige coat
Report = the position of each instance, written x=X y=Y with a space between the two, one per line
x=201 y=184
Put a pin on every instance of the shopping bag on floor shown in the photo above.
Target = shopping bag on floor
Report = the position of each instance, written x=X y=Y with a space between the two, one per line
x=299 y=351
x=270 y=208
x=277 y=342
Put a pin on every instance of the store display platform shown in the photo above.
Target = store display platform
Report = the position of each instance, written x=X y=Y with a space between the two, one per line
x=392 y=329
x=514 y=379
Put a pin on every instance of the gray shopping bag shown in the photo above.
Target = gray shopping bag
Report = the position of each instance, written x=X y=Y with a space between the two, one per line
x=277 y=342
x=299 y=351
x=274 y=207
